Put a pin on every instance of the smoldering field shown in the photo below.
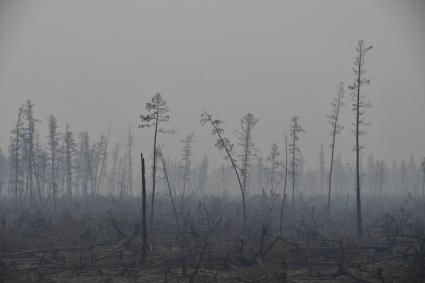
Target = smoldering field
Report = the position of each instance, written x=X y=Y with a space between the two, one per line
x=75 y=209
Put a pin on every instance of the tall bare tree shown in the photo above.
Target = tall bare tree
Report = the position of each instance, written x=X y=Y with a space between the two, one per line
x=336 y=128
x=103 y=155
x=359 y=105
x=30 y=131
x=86 y=164
x=294 y=150
x=274 y=173
x=423 y=177
x=285 y=179
x=157 y=110
x=15 y=156
x=53 y=142
x=69 y=152
x=246 y=142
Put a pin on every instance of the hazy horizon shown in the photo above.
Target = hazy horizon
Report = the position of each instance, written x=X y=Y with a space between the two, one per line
x=94 y=64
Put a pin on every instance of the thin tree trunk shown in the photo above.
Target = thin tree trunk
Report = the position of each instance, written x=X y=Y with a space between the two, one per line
x=284 y=188
x=154 y=166
x=169 y=190
x=144 y=231
x=358 y=198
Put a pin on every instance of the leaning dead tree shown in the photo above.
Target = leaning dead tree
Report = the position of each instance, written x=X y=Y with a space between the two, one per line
x=164 y=168
x=224 y=144
x=336 y=129
x=157 y=110
x=359 y=105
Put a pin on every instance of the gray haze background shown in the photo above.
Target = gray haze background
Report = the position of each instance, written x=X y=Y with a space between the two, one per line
x=96 y=63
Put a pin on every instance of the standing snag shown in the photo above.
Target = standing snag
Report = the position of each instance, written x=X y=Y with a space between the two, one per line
x=16 y=167
x=359 y=105
x=246 y=142
x=157 y=110
x=336 y=128
x=187 y=162
x=295 y=152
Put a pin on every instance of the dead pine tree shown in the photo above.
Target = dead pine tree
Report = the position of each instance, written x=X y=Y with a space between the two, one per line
x=285 y=179
x=423 y=177
x=336 y=128
x=322 y=168
x=274 y=177
x=130 y=146
x=187 y=162
x=157 y=110
x=53 y=142
x=15 y=157
x=224 y=144
x=69 y=152
x=246 y=142
x=103 y=156
x=359 y=105
x=294 y=151
x=29 y=140
x=144 y=211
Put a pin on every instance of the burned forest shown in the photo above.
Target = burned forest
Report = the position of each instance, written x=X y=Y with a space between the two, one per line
x=234 y=149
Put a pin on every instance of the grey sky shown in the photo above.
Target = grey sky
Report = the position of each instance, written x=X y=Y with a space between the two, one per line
x=96 y=63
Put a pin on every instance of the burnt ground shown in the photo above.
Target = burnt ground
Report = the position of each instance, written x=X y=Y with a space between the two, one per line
x=100 y=239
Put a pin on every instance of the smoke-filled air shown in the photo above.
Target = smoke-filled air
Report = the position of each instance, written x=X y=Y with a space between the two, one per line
x=212 y=141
